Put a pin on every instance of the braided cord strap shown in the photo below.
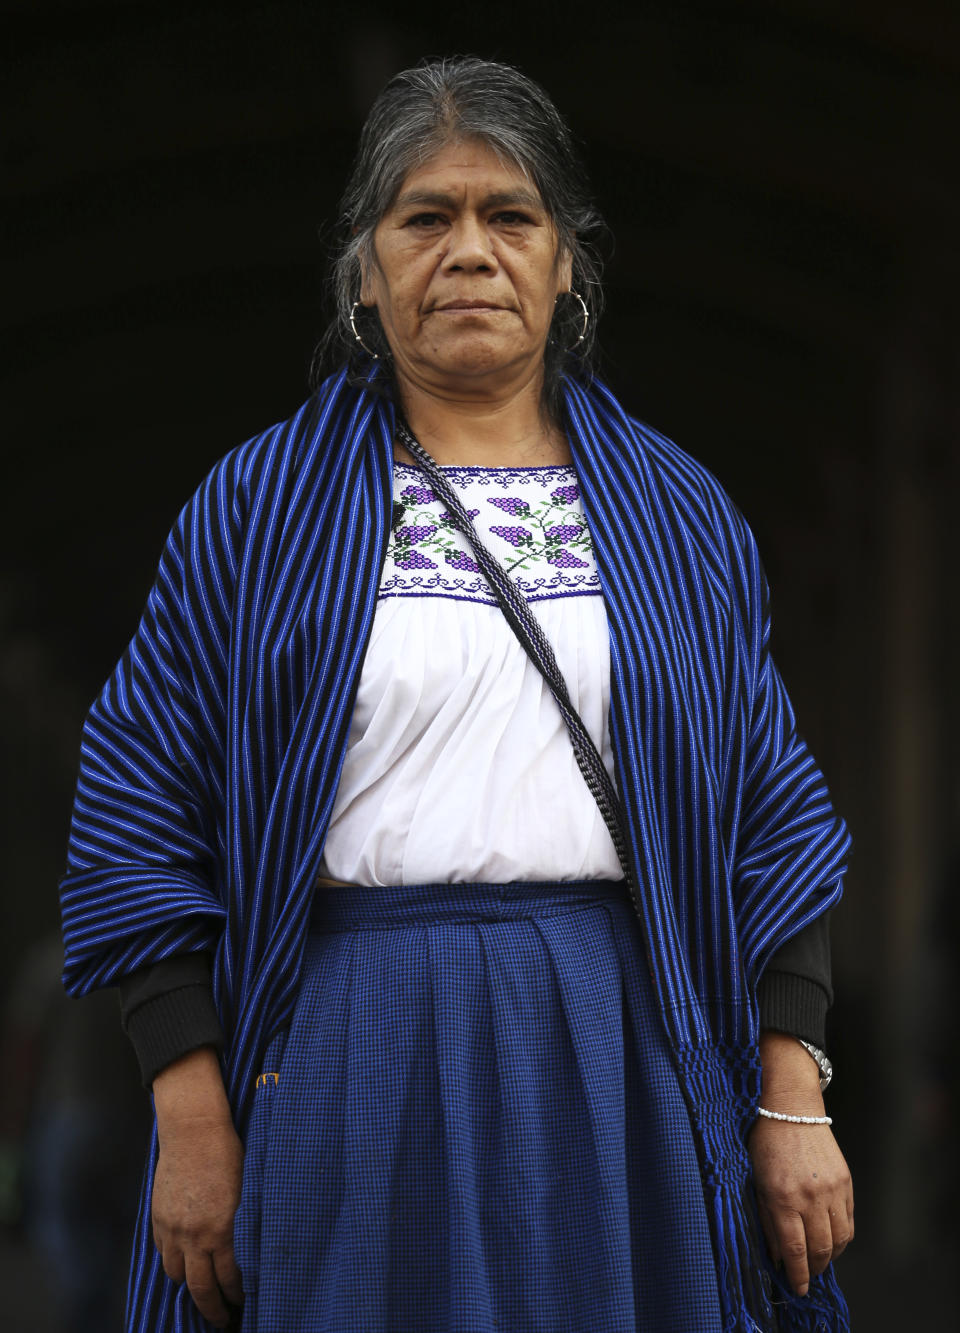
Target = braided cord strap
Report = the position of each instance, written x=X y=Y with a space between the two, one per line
x=534 y=641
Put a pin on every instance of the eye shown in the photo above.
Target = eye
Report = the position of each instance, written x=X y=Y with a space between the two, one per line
x=510 y=217
x=423 y=220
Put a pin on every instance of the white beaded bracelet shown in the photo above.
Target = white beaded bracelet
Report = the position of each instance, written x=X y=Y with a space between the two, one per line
x=795 y=1119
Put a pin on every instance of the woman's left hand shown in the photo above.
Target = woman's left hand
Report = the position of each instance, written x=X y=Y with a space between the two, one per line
x=803 y=1184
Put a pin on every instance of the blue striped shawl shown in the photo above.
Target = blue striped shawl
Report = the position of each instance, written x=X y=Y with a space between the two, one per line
x=211 y=758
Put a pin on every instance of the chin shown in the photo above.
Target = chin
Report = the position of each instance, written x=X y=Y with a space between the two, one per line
x=476 y=357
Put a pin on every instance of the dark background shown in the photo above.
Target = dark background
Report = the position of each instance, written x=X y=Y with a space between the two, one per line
x=781 y=180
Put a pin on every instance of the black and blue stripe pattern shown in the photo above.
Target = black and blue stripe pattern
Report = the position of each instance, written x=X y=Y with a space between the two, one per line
x=211 y=759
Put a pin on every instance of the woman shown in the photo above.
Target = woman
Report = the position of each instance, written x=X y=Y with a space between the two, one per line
x=502 y=963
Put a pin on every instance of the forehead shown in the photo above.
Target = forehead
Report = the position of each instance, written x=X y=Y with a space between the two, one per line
x=467 y=167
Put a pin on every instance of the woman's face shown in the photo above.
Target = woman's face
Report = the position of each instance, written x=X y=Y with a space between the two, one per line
x=465 y=273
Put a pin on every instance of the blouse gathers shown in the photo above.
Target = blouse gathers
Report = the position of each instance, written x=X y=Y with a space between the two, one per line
x=459 y=765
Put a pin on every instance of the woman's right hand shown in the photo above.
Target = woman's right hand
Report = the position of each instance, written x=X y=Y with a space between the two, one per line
x=196 y=1187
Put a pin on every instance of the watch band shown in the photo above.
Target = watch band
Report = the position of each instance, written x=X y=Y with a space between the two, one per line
x=823 y=1064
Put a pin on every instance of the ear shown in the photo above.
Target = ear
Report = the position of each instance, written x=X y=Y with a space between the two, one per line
x=366 y=287
x=564 y=272
x=367 y=264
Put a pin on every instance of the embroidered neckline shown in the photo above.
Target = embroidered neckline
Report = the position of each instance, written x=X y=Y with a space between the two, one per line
x=530 y=519
x=479 y=470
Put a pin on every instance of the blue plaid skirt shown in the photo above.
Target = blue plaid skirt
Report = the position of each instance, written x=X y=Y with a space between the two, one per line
x=473 y=1125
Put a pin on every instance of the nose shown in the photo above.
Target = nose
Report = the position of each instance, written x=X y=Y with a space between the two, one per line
x=468 y=247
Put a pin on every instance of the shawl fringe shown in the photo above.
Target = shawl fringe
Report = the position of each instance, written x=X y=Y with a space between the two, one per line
x=722 y=1085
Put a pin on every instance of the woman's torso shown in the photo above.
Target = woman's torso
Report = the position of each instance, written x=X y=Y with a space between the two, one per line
x=459 y=765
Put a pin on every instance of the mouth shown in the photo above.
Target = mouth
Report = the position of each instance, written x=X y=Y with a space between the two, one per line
x=457 y=306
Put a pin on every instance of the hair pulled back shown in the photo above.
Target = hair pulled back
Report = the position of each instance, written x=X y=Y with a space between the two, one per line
x=418 y=112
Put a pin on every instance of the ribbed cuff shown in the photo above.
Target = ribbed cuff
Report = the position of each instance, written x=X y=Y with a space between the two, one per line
x=793 y=1004
x=164 y=1028
x=180 y=969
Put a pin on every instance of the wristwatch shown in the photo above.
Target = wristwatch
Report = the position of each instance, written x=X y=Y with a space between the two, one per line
x=823 y=1064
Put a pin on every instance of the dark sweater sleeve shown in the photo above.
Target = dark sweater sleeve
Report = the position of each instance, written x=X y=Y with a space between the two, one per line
x=167 y=1009
x=795 y=990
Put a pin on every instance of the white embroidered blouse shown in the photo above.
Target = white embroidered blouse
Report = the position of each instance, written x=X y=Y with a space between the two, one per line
x=459 y=766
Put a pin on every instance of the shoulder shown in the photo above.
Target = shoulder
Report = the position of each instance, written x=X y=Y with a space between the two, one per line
x=204 y=547
x=696 y=492
x=263 y=459
x=246 y=497
x=285 y=455
x=685 y=492
x=247 y=483
x=699 y=504
x=716 y=522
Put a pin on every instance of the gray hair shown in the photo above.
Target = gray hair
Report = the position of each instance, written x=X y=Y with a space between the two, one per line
x=418 y=112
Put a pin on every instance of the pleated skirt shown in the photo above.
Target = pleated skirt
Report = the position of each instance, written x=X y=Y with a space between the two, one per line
x=473 y=1125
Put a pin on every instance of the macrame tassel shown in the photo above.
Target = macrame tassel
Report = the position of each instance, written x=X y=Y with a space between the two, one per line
x=822 y=1310
x=722 y=1088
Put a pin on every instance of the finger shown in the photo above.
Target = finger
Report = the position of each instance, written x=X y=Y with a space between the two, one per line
x=841 y=1227
x=173 y=1262
x=819 y=1241
x=157 y=1231
x=841 y=1217
x=770 y=1234
x=203 y=1287
x=792 y=1239
x=228 y=1275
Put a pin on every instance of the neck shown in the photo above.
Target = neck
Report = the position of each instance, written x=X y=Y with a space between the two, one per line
x=510 y=430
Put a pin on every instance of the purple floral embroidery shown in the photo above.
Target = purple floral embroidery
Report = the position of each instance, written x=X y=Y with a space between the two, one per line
x=510 y=504
x=565 y=560
x=412 y=533
x=413 y=560
x=418 y=495
x=515 y=536
x=564 y=532
x=553 y=534
x=460 y=560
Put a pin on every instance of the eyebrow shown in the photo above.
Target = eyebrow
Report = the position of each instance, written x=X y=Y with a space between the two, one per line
x=437 y=199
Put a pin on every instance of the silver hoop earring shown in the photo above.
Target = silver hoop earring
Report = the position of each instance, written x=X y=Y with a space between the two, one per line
x=353 y=326
x=586 y=317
